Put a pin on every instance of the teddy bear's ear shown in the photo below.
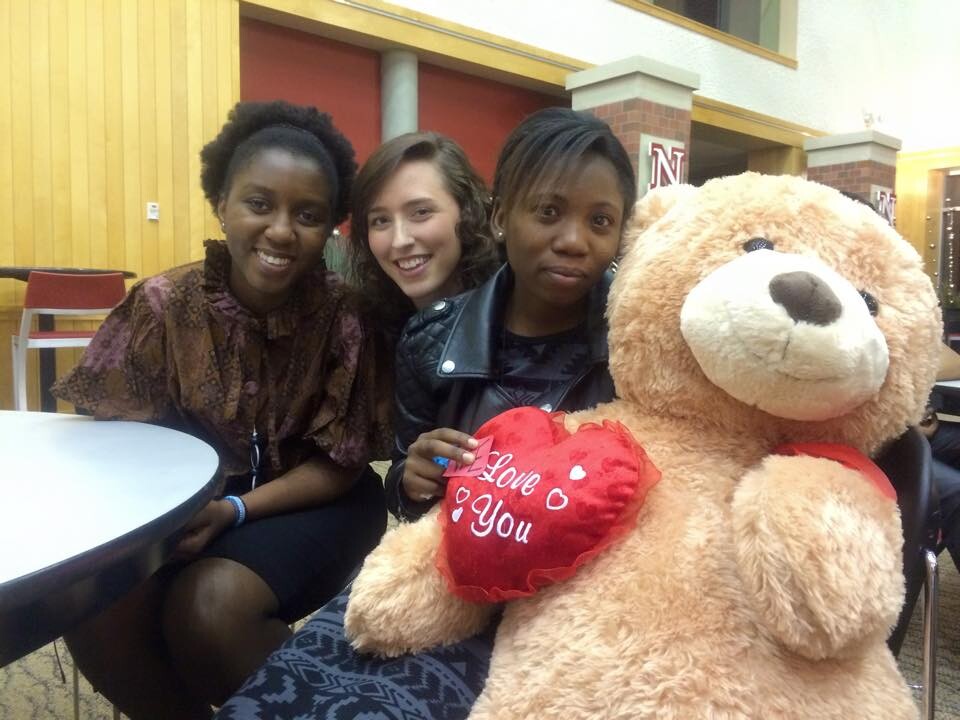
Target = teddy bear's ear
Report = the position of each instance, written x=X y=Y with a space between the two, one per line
x=653 y=206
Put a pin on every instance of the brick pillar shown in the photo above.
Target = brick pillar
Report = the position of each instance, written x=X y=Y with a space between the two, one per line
x=647 y=104
x=862 y=162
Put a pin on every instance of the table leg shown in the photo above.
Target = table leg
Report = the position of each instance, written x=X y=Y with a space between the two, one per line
x=48 y=367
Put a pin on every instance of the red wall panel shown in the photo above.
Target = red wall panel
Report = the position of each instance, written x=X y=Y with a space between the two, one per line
x=477 y=113
x=343 y=80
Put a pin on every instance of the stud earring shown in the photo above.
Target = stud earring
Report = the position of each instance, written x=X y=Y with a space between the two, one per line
x=499 y=234
x=223 y=226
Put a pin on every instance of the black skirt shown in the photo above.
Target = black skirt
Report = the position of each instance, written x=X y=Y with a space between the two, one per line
x=307 y=557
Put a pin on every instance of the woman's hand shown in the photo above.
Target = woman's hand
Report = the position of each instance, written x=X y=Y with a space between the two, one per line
x=215 y=517
x=929 y=423
x=422 y=477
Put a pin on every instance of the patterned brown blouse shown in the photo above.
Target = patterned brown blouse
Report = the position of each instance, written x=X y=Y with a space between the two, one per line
x=181 y=351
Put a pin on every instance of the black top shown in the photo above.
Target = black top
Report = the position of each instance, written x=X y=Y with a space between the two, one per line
x=533 y=368
x=457 y=367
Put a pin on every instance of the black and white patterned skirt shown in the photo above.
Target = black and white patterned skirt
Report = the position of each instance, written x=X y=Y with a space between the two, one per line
x=317 y=675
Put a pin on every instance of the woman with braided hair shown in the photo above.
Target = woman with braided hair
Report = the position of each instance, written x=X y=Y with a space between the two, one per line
x=261 y=352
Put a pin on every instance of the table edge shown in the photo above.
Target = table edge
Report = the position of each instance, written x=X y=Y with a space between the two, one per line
x=28 y=588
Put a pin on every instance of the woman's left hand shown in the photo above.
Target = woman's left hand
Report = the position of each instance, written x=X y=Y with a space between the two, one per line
x=206 y=525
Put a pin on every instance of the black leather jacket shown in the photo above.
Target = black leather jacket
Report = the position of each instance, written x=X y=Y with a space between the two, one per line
x=446 y=373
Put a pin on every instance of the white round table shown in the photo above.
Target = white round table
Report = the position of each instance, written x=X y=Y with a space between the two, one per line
x=87 y=510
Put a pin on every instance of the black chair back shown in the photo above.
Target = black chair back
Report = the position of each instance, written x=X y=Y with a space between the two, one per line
x=907 y=462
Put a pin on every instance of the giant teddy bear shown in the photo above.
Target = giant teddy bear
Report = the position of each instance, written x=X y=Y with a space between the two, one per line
x=753 y=312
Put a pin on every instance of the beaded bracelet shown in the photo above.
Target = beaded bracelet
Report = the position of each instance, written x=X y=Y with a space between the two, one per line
x=239 y=507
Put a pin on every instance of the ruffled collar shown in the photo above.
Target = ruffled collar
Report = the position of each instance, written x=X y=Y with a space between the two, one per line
x=308 y=295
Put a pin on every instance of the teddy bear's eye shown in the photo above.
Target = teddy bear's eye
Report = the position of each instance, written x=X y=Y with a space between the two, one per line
x=757 y=243
x=872 y=305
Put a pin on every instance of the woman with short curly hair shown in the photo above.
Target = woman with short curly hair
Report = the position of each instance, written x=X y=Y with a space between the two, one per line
x=420 y=226
x=261 y=352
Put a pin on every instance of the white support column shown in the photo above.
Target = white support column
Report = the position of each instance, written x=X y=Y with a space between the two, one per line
x=398 y=93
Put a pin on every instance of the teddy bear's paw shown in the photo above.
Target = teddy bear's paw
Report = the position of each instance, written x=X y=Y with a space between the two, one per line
x=819 y=550
x=399 y=602
x=420 y=616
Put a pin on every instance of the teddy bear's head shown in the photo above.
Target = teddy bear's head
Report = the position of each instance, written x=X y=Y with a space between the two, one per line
x=774 y=306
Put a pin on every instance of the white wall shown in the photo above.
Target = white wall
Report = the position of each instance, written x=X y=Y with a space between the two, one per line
x=896 y=58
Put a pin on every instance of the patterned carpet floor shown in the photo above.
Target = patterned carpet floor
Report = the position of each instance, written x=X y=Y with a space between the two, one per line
x=33 y=689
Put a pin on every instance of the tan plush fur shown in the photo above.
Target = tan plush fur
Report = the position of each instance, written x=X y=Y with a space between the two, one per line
x=754 y=585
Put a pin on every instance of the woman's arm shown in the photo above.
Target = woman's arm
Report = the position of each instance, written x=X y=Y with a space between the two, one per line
x=122 y=374
x=343 y=430
x=314 y=482
x=415 y=412
x=414 y=483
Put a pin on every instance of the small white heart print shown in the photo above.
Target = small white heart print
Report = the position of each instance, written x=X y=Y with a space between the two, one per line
x=577 y=472
x=556 y=500
x=462 y=494
x=455 y=515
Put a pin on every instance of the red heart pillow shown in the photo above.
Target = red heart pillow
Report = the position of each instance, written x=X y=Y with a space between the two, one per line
x=545 y=502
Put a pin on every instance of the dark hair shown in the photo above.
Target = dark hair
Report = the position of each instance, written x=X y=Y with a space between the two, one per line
x=300 y=130
x=546 y=145
x=478 y=256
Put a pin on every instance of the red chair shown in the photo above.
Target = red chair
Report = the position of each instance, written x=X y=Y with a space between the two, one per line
x=59 y=294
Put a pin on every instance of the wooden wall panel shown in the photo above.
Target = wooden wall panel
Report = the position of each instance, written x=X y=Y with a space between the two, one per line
x=7 y=236
x=918 y=198
x=104 y=106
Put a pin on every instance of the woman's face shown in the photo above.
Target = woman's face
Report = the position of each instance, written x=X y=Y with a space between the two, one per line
x=412 y=231
x=560 y=241
x=276 y=218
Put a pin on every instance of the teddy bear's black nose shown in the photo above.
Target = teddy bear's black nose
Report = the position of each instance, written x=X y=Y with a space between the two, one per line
x=806 y=297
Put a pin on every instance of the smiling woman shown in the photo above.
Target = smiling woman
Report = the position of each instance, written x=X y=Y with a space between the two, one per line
x=412 y=230
x=419 y=230
x=262 y=353
x=277 y=217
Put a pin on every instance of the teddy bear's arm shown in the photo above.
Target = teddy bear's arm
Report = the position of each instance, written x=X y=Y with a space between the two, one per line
x=819 y=550
x=399 y=603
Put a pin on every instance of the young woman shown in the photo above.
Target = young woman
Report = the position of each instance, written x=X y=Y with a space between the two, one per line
x=534 y=334
x=260 y=352
x=420 y=227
